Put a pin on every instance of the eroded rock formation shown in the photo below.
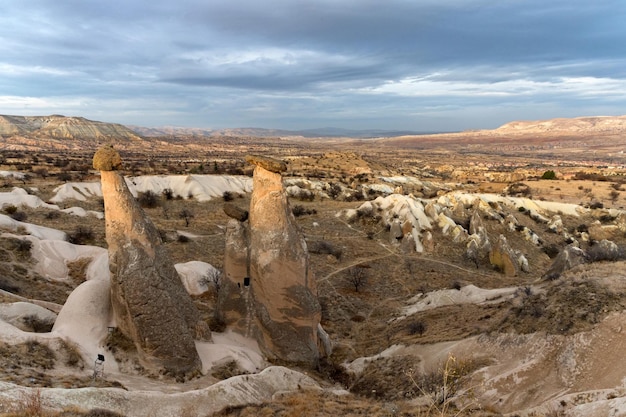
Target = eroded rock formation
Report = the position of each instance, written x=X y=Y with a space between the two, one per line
x=269 y=291
x=287 y=311
x=233 y=303
x=503 y=259
x=149 y=302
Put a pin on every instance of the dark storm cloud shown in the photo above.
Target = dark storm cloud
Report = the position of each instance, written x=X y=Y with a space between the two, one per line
x=285 y=63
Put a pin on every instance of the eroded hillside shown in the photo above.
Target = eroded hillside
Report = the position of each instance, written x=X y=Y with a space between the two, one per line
x=447 y=286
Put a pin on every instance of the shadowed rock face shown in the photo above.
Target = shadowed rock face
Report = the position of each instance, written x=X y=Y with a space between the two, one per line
x=284 y=299
x=234 y=296
x=149 y=301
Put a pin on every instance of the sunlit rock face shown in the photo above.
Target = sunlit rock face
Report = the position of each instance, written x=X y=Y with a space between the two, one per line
x=283 y=292
x=149 y=301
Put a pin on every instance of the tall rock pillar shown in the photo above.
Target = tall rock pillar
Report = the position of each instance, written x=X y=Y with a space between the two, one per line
x=149 y=301
x=284 y=296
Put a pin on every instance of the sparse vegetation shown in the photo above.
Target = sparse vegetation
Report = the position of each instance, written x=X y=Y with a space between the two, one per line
x=357 y=277
x=82 y=235
x=186 y=215
x=148 y=199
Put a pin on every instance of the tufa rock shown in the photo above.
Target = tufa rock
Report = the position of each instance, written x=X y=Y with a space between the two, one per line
x=233 y=298
x=107 y=159
x=235 y=212
x=503 y=259
x=568 y=258
x=270 y=164
x=268 y=290
x=284 y=296
x=149 y=302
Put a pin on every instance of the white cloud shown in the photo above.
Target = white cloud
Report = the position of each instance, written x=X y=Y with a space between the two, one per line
x=433 y=87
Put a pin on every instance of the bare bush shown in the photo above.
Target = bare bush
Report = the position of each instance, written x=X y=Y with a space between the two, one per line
x=148 y=199
x=212 y=278
x=417 y=327
x=299 y=210
x=81 y=235
x=186 y=215
x=325 y=247
x=357 y=277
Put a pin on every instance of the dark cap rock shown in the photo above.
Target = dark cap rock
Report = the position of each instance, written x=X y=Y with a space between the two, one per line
x=107 y=159
x=235 y=212
x=270 y=164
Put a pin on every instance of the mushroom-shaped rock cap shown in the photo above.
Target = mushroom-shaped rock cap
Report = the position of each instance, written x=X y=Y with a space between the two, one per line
x=107 y=159
x=235 y=212
x=271 y=164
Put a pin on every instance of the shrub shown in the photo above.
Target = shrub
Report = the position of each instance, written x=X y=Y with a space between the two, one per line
x=20 y=216
x=168 y=194
x=596 y=205
x=100 y=412
x=443 y=382
x=81 y=235
x=357 y=277
x=518 y=189
x=9 y=209
x=23 y=245
x=417 y=327
x=73 y=357
x=186 y=215
x=334 y=191
x=148 y=199
x=548 y=175
x=325 y=247
x=228 y=196
x=299 y=210
x=226 y=370
x=39 y=326
x=64 y=176
x=52 y=214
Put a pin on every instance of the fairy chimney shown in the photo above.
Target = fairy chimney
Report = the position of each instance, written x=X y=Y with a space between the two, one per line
x=149 y=301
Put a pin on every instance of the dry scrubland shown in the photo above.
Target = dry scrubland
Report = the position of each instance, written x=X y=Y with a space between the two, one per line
x=364 y=280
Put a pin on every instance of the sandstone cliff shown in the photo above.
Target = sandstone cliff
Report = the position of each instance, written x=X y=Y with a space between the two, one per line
x=149 y=301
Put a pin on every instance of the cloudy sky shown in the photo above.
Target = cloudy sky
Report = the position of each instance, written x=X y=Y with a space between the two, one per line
x=425 y=65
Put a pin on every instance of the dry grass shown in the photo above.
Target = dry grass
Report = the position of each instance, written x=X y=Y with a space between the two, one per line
x=77 y=270
x=562 y=307
x=359 y=322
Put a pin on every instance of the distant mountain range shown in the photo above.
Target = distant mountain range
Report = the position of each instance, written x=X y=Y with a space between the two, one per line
x=61 y=133
x=62 y=127
x=325 y=132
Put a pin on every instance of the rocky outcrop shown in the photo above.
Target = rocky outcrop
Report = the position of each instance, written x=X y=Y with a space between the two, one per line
x=568 y=258
x=149 y=302
x=233 y=302
x=268 y=290
x=284 y=296
x=503 y=258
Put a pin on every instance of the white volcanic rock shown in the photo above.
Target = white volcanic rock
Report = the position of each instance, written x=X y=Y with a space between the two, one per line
x=233 y=392
x=200 y=187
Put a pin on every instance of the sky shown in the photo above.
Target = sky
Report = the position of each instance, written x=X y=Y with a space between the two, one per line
x=420 y=65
